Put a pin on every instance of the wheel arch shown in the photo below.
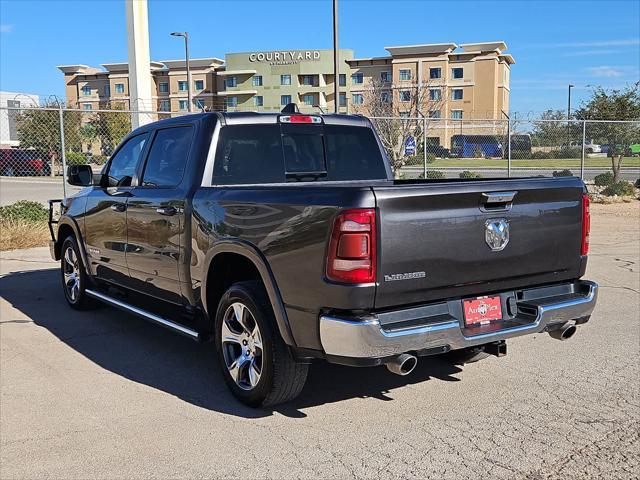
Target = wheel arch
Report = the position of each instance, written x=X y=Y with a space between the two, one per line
x=68 y=226
x=249 y=253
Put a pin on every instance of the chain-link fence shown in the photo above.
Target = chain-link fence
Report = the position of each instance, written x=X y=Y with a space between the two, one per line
x=457 y=148
x=36 y=144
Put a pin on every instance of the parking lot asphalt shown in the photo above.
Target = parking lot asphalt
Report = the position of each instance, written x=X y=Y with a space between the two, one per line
x=106 y=395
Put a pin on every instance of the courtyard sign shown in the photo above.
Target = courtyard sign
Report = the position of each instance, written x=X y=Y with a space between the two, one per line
x=286 y=57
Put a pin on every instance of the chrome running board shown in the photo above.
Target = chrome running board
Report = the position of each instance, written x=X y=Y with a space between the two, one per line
x=144 y=314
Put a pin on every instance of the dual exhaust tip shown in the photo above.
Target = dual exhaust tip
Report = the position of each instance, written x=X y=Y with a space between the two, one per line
x=402 y=364
x=564 y=333
x=405 y=363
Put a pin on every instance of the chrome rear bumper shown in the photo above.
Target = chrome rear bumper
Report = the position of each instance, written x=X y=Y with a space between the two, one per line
x=368 y=338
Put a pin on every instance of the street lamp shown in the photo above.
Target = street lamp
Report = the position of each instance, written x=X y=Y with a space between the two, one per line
x=185 y=35
x=569 y=116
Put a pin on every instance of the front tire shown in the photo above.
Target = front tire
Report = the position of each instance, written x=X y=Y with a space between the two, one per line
x=74 y=276
x=256 y=364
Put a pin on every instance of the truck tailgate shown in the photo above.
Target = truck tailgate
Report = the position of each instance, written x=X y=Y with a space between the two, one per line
x=433 y=245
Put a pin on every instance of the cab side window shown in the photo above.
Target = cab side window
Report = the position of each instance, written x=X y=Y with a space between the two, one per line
x=123 y=164
x=168 y=157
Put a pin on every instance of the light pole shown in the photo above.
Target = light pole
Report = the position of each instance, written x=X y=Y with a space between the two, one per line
x=185 y=35
x=569 y=115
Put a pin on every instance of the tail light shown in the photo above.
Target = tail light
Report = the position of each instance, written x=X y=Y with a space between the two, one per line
x=300 y=119
x=586 y=225
x=352 y=248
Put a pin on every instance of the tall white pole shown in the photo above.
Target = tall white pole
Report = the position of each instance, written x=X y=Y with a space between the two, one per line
x=139 y=61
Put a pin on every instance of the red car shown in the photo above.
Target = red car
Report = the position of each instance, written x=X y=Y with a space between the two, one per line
x=16 y=162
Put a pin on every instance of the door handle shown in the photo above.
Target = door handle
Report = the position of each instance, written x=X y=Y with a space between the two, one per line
x=119 y=207
x=168 y=211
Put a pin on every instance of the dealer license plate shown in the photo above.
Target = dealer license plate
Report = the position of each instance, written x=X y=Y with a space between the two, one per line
x=482 y=310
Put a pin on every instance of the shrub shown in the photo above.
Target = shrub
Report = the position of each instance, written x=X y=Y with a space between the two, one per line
x=76 y=158
x=604 y=179
x=470 y=174
x=477 y=152
x=433 y=175
x=572 y=152
x=622 y=189
x=25 y=211
x=563 y=173
x=520 y=155
x=99 y=159
x=431 y=158
x=541 y=155
x=413 y=161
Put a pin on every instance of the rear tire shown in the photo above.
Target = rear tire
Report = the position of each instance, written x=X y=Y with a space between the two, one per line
x=74 y=277
x=256 y=364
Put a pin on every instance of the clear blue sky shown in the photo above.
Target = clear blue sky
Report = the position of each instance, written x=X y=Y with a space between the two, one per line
x=554 y=42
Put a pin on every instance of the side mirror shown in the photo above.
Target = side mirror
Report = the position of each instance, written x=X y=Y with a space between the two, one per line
x=80 y=175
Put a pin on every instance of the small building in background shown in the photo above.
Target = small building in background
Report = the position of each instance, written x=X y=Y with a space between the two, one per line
x=10 y=104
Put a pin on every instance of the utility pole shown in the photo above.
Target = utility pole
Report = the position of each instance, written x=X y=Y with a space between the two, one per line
x=139 y=62
x=336 y=70
x=185 y=35
x=569 y=115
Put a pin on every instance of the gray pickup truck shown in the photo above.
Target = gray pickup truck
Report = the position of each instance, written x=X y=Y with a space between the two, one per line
x=285 y=239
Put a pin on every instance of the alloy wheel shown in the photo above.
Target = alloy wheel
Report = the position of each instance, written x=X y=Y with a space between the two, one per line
x=242 y=346
x=71 y=273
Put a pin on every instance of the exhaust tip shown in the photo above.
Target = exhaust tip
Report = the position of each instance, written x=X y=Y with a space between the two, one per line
x=564 y=333
x=402 y=364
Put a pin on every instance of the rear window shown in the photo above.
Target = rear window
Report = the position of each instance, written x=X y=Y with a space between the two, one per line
x=249 y=154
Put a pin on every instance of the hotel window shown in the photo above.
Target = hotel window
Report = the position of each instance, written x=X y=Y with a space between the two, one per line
x=86 y=90
x=87 y=106
x=405 y=95
x=457 y=72
x=163 y=87
x=342 y=79
x=183 y=85
x=285 y=80
x=232 y=102
x=231 y=82
x=357 y=99
x=343 y=99
x=357 y=78
x=385 y=77
x=308 y=80
x=435 y=73
x=199 y=84
x=119 y=87
x=199 y=103
x=165 y=105
x=456 y=114
x=434 y=114
x=385 y=97
x=256 y=81
x=183 y=104
x=435 y=94
x=405 y=74
x=404 y=114
x=258 y=101
x=457 y=94
x=285 y=99
x=308 y=99
x=107 y=90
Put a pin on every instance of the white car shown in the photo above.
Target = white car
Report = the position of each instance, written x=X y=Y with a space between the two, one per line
x=589 y=146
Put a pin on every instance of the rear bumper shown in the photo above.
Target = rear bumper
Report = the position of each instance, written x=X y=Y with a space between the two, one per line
x=538 y=310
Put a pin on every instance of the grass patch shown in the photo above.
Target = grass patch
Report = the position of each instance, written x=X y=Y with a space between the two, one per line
x=23 y=225
x=545 y=163
x=16 y=234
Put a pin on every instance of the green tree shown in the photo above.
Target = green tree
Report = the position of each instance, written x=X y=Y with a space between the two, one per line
x=613 y=105
x=111 y=127
x=552 y=130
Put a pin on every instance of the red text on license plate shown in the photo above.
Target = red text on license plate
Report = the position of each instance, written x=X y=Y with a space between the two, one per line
x=482 y=310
